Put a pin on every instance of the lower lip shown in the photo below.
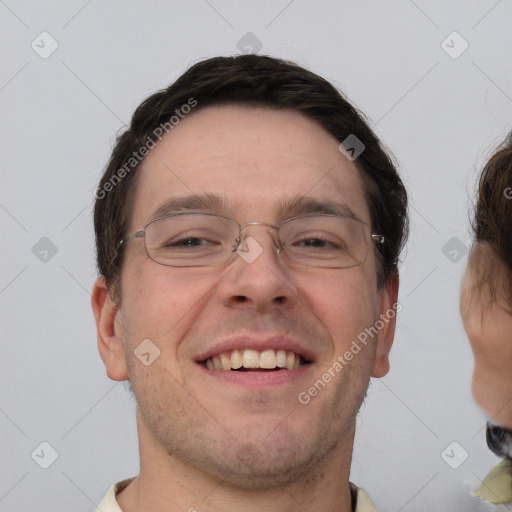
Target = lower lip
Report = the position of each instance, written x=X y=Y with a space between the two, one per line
x=257 y=379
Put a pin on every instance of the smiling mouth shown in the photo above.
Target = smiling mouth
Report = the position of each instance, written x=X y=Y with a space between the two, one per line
x=249 y=360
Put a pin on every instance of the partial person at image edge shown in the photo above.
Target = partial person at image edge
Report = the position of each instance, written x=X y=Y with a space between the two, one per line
x=486 y=310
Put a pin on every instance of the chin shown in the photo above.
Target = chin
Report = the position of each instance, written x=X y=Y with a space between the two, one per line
x=258 y=462
x=252 y=468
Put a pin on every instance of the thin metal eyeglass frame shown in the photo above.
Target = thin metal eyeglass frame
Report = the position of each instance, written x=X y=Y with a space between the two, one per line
x=142 y=233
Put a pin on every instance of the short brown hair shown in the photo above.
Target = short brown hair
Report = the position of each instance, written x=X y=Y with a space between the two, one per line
x=260 y=81
x=491 y=255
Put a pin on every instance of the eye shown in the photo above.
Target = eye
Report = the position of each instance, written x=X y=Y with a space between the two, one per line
x=187 y=242
x=316 y=242
x=319 y=242
x=191 y=240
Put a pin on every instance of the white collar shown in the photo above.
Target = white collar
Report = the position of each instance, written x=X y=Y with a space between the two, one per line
x=109 y=502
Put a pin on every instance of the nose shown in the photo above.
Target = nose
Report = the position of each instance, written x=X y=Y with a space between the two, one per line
x=257 y=278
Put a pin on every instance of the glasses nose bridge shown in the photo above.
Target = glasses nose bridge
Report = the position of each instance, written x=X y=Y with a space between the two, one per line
x=243 y=226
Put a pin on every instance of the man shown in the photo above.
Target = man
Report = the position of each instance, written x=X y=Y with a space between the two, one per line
x=248 y=287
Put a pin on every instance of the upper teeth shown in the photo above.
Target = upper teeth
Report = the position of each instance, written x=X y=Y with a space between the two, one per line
x=250 y=358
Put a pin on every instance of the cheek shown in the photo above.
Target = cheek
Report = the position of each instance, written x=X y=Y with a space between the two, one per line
x=491 y=344
x=471 y=315
x=162 y=302
x=492 y=349
x=472 y=327
x=485 y=352
x=346 y=305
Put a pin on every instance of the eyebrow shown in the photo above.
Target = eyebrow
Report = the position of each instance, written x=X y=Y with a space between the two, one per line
x=222 y=204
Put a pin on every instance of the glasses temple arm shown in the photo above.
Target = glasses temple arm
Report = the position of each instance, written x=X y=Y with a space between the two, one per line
x=137 y=234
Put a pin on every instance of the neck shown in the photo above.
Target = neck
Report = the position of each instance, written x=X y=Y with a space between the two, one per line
x=168 y=484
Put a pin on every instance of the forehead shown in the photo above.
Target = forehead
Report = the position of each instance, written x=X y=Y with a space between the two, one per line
x=261 y=161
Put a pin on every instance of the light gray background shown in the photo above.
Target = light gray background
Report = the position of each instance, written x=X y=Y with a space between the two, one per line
x=439 y=115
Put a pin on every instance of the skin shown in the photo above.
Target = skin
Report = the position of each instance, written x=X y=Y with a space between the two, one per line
x=218 y=447
x=488 y=327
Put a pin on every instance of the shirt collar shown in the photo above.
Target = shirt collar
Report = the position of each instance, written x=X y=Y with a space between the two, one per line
x=496 y=487
x=363 y=503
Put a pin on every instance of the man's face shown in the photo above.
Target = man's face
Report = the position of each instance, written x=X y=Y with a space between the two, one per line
x=249 y=427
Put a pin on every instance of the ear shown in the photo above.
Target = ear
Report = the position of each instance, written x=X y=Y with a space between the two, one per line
x=109 y=331
x=387 y=313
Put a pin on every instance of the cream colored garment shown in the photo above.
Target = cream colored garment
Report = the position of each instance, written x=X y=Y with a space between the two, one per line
x=496 y=487
x=109 y=503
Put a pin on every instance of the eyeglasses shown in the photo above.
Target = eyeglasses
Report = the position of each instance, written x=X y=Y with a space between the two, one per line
x=195 y=239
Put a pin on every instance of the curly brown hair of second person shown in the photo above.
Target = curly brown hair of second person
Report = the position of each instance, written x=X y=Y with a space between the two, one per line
x=492 y=227
x=248 y=80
